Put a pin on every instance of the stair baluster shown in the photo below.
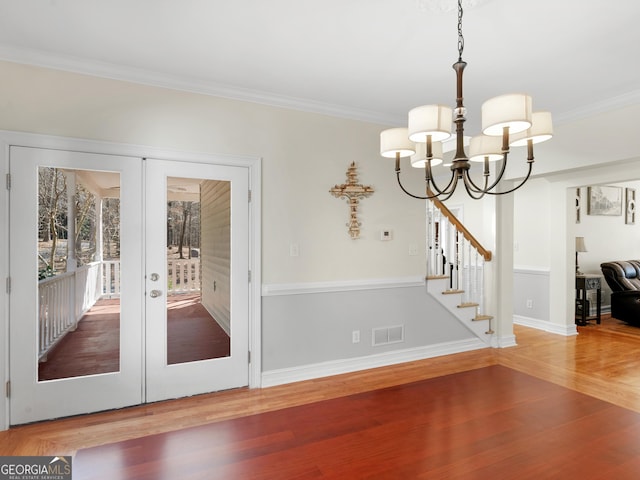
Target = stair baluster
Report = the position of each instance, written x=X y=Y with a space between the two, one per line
x=453 y=252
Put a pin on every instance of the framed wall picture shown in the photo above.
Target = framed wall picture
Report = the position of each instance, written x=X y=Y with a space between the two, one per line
x=578 y=205
x=630 y=204
x=604 y=200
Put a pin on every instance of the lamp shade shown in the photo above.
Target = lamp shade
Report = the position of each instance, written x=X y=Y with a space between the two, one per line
x=512 y=110
x=580 y=246
x=396 y=140
x=541 y=130
x=419 y=158
x=434 y=120
x=482 y=146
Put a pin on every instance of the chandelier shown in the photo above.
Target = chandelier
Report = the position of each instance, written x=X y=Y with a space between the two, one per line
x=507 y=121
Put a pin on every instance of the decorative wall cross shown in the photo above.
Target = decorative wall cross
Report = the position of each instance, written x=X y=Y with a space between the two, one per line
x=353 y=192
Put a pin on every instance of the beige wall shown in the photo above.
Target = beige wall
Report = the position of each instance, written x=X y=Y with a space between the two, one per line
x=531 y=225
x=304 y=155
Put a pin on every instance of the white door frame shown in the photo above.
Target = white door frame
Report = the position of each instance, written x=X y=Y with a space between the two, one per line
x=252 y=163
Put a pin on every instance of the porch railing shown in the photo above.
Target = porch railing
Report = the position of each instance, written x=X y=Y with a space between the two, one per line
x=55 y=310
x=454 y=253
x=183 y=276
x=110 y=278
x=62 y=301
x=65 y=298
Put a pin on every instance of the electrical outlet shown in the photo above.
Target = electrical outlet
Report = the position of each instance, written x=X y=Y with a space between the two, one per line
x=529 y=303
x=294 y=250
x=355 y=336
x=413 y=249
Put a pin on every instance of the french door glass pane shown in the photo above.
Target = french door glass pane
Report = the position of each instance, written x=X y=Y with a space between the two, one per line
x=78 y=250
x=198 y=269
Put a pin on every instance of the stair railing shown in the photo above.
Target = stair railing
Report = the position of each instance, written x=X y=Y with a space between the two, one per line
x=453 y=252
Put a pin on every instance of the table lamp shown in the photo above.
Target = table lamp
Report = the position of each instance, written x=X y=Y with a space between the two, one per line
x=580 y=247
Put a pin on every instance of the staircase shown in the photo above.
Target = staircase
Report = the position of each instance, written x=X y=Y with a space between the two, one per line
x=455 y=270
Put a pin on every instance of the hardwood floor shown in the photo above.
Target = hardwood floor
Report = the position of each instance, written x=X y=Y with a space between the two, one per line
x=491 y=422
x=599 y=362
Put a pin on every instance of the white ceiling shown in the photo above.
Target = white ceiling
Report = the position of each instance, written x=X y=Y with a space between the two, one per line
x=364 y=59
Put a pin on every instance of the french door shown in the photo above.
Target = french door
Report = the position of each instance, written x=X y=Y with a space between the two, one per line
x=175 y=366
x=128 y=281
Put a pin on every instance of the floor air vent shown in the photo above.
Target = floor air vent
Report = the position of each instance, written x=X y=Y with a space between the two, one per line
x=387 y=335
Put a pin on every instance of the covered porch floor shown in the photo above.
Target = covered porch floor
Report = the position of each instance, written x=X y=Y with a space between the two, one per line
x=93 y=348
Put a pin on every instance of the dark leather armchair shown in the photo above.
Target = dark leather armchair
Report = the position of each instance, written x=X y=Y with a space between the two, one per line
x=623 y=277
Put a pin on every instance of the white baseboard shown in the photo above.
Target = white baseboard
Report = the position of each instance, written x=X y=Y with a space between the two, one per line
x=503 y=341
x=336 y=367
x=544 y=325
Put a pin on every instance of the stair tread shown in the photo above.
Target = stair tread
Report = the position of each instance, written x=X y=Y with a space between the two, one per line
x=483 y=317
x=468 y=304
x=436 y=277
x=451 y=292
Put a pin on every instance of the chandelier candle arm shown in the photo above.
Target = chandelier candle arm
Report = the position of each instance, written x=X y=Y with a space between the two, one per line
x=424 y=156
x=524 y=180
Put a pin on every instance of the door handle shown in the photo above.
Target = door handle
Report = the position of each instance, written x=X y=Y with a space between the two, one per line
x=154 y=277
x=155 y=293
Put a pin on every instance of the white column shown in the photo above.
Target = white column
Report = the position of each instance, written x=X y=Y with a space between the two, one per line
x=502 y=272
x=73 y=310
x=562 y=257
x=71 y=221
x=99 y=256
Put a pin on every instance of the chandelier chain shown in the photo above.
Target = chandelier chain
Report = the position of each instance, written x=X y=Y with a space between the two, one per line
x=460 y=37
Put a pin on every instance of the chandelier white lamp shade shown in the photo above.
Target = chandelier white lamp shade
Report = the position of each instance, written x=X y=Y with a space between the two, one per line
x=483 y=147
x=430 y=121
x=395 y=142
x=512 y=111
x=541 y=130
x=507 y=121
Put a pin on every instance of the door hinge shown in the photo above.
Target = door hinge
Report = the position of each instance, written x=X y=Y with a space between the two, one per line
x=249 y=196
x=8 y=388
x=249 y=276
x=249 y=352
x=8 y=284
x=8 y=181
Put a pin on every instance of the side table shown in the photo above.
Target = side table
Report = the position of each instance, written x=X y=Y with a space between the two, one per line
x=584 y=283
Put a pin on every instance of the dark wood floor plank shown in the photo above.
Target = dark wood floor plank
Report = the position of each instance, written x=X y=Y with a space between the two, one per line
x=580 y=363
x=485 y=423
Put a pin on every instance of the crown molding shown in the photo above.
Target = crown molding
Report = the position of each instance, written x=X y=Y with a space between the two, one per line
x=95 y=68
x=620 y=101
x=112 y=71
